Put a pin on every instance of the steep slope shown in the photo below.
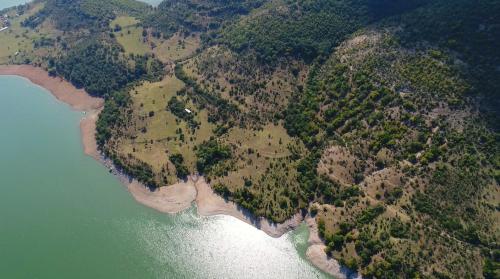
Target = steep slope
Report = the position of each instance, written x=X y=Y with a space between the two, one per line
x=89 y=14
x=378 y=117
x=187 y=16
x=306 y=29
x=409 y=159
x=386 y=120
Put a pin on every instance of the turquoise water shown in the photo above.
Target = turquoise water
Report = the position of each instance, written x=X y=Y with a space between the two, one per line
x=152 y=2
x=62 y=215
x=9 y=3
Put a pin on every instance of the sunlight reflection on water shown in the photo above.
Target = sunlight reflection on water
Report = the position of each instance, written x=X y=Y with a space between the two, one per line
x=223 y=247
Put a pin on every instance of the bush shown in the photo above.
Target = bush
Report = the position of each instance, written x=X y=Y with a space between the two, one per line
x=209 y=154
x=370 y=214
x=178 y=161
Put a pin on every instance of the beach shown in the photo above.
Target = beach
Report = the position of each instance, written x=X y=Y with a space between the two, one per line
x=180 y=196
x=63 y=90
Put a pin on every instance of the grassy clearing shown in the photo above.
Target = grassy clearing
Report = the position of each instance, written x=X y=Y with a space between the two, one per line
x=124 y=21
x=262 y=164
x=153 y=132
x=129 y=35
x=176 y=47
x=261 y=160
x=12 y=43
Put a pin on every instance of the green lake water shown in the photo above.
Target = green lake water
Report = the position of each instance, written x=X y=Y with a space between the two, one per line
x=62 y=215
x=10 y=3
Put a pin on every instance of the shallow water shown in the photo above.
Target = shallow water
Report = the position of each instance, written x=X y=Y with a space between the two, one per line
x=10 y=3
x=62 y=215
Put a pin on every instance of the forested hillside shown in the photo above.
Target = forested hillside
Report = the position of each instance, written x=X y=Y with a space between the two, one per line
x=76 y=14
x=173 y=16
x=379 y=118
x=101 y=69
x=306 y=29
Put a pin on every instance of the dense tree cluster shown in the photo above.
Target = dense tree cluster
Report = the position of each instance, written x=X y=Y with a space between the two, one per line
x=178 y=108
x=89 y=14
x=110 y=117
x=194 y=16
x=96 y=67
x=210 y=154
x=101 y=69
x=180 y=169
x=307 y=29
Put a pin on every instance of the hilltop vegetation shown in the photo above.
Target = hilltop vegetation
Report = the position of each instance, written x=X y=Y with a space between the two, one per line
x=307 y=29
x=89 y=14
x=379 y=117
x=101 y=69
x=404 y=119
x=188 y=16
x=470 y=30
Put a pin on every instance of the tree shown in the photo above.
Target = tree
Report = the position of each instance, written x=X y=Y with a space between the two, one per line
x=178 y=161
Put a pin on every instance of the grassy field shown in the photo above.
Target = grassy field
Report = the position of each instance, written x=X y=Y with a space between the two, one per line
x=260 y=157
x=261 y=163
x=176 y=47
x=129 y=34
x=124 y=22
x=153 y=133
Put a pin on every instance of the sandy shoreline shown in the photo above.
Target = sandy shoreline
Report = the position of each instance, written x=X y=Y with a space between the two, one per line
x=181 y=196
x=65 y=92
x=61 y=89
x=177 y=197
x=316 y=254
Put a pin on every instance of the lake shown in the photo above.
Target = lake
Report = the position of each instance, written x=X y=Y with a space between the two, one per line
x=63 y=215
x=9 y=3
x=152 y=2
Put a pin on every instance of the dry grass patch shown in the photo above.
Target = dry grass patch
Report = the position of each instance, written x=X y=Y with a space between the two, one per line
x=338 y=164
x=261 y=163
x=380 y=183
x=153 y=134
x=130 y=36
x=259 y=91
x=124 y=21
x=176 y=47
